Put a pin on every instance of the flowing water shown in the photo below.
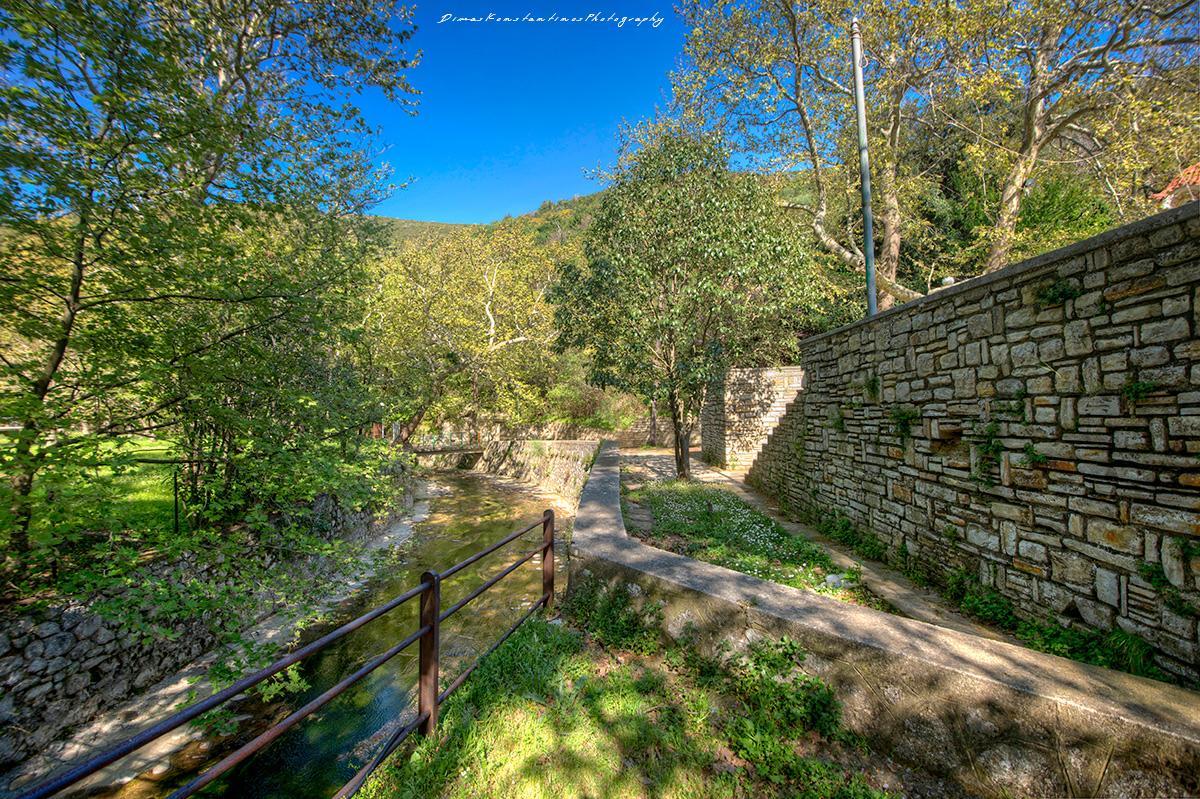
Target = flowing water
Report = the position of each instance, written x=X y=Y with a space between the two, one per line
x=313 y=759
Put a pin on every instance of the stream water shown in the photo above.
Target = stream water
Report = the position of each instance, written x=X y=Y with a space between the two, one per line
x=313 y=759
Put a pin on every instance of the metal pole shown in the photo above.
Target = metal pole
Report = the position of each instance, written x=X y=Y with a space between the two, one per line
x=864 y=165
x=427 y=682
x=548 y=557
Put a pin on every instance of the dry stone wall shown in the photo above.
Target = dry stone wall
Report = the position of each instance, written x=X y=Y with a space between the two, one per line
x=741 y=409
x=1039 y=427
x=65 y=664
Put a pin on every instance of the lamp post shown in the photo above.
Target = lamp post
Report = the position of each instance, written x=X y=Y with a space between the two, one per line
x=864 y=165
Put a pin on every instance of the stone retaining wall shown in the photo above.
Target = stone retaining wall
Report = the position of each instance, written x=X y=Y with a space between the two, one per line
x=558 y=466
x=64 y=665
x=741 y=409
x=998 y=718
x=1038 y=427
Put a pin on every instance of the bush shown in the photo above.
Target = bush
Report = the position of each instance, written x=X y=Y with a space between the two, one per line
x=609 y=615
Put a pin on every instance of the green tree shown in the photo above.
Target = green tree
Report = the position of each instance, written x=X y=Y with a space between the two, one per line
x=459 y=326
x=1009 y=97
x=1089 y=81
x=177 y=210
x=689 y=269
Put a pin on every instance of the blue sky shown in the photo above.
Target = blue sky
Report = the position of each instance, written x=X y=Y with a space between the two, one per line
x=512 y=114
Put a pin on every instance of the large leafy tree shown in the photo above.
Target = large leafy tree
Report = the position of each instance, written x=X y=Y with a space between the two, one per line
x=775 y=77
x=459 y=327
x=1104 y=84
x=177 y=206
x=1006 y=96
x=689 y=269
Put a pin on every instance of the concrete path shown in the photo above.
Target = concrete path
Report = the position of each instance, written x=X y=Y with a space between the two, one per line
x=643 y=465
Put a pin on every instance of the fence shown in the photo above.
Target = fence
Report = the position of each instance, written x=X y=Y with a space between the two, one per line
x=427 y=636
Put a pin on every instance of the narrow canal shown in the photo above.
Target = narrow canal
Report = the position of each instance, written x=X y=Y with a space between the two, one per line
x=312 y=760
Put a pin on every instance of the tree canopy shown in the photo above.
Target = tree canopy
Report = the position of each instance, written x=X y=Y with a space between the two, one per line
x=180 y=236
x=689 y=268
x=973 y=108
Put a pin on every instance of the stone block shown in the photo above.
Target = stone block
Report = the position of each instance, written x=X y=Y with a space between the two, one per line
x=1163 y=331
x=1077 y=338
x=1125 y=538
x=1175 y=520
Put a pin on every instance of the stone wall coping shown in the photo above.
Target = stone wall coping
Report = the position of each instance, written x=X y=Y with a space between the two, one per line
x=599 y=533
x=1141 y=227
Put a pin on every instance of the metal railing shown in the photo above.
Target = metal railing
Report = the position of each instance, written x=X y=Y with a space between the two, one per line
x=427 y=636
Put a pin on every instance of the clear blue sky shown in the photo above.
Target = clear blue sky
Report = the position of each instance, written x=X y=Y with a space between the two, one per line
x=512 y=114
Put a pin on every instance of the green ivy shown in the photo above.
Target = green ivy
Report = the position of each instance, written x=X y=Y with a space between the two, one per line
x=1134 y=391
x=989 y=450
x=1057 y=293
x=902 y=417
x=1032 y=457
x=871 y=388
x=1154 y=574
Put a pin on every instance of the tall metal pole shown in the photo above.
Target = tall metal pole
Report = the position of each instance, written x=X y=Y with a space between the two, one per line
x=864 y=165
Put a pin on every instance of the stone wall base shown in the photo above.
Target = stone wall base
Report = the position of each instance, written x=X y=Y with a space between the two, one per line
x=999 y=719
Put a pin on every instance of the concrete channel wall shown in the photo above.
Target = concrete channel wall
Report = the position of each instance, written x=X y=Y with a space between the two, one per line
x=557 y=466
x=1000 y=719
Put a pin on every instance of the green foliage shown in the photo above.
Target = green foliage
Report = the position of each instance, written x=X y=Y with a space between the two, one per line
x=902 y=417
x=988 y=451
x=871 y=388
x=1115 y=649
x=777 y=705
x=716 y=526
x=1135 y=391
x=611 y=616
x=459 y=327
x=544 y=715
x=1032 y=457
x=1154 y=574
x=689 y=268
x=1013 y=408
x=981 y=167
x=1057 y=293
x=182 y=239
x=837 y=420
x=838 y=526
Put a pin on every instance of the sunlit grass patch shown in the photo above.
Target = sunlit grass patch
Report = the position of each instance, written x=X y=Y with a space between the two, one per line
x=545 y=716
x=716 y=526
x=550 y=715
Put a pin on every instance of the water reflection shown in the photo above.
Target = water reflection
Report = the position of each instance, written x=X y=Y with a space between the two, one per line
x=314 y=759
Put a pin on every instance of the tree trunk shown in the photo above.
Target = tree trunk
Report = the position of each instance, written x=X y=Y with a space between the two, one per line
x=408 y=428
x=1032 y=138
x=683 y=439
x=890 y=216
x=26 y=468
x=1010 y=210
x=20 y=508
x=652 y=439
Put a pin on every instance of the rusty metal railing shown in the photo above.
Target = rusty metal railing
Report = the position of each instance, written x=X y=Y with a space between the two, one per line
x=427 y=636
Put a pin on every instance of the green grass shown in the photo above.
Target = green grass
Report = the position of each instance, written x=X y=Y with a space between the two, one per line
x=143 y=499
x=1115 y=649
x=552 y=714
x=716 y=526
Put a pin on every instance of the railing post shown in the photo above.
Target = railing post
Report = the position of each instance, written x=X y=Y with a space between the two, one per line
x=548 y=557
x=427 y=684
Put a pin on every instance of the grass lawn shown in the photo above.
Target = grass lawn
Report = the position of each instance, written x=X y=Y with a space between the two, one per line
x=143 y=498
x=603 y=711
x=716 y=526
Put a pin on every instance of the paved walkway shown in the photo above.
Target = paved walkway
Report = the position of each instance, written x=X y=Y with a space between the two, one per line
x=639 y=466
